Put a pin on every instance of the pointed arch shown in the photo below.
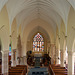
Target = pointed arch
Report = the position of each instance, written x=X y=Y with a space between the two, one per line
x=38 y=43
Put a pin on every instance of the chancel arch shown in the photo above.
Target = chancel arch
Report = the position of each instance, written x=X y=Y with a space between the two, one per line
x=33 y=27
x=44 y=35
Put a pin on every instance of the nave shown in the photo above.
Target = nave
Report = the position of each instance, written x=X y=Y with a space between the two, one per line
x=32 y=28
x=38 y=67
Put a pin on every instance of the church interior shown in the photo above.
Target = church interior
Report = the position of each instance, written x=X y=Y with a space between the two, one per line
x=37 y=37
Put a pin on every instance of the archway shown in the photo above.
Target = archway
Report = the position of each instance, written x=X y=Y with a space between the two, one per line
x=44 y=35
x=38 y=44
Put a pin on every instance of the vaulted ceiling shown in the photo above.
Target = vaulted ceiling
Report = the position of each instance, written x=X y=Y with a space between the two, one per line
x=52 y=11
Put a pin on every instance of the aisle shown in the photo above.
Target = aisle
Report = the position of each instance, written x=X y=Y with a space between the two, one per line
x=40 y=66
x=38 y=71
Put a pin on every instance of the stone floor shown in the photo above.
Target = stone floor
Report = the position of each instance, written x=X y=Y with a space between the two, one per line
x=38 y=70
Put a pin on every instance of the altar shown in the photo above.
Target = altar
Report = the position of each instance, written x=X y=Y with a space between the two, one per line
x=38 y=54
x=38 y=58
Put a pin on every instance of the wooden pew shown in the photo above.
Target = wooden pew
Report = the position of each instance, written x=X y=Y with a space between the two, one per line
x=51 y=70
x=15 y=73
x=58 y=70
x=18 y=70
x=22 y=66
x=59 y=67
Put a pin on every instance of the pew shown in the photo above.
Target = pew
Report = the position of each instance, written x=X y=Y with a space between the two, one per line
x=51 y=70
x=57 y=70
x=18 y=70
x=15 y=73
x=22 y=66
x=59 y=67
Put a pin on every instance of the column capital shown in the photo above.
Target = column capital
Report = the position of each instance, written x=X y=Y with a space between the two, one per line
x=14 y=50
x=5 y=62
x=24 y=56
x=61 y=51
x=5 y=51
x=70 y=52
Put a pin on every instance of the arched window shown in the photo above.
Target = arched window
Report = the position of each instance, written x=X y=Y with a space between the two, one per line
x=10 y=49
x=38 y=43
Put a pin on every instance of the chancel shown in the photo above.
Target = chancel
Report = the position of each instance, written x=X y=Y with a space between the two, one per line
x=37 y=37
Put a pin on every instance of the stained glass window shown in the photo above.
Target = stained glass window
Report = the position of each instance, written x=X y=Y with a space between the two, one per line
x=38 y=43
x=10 y=50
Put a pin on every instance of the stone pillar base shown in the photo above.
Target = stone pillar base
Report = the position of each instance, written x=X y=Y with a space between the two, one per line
x=5 y=74
x=62 y=58
x=70 y=63
x=13 y=57
x=5 y=65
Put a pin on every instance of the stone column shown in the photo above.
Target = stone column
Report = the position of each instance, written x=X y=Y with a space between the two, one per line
x=21 y=61
x=19 y=50
x=49 y=51
x=17 y=58
x=62 y=58
x=25 y=60
x=52 y=52
x=13 y=57
x=57 y=56
x=70 y=63
x=48 y=48
x=5 y=65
